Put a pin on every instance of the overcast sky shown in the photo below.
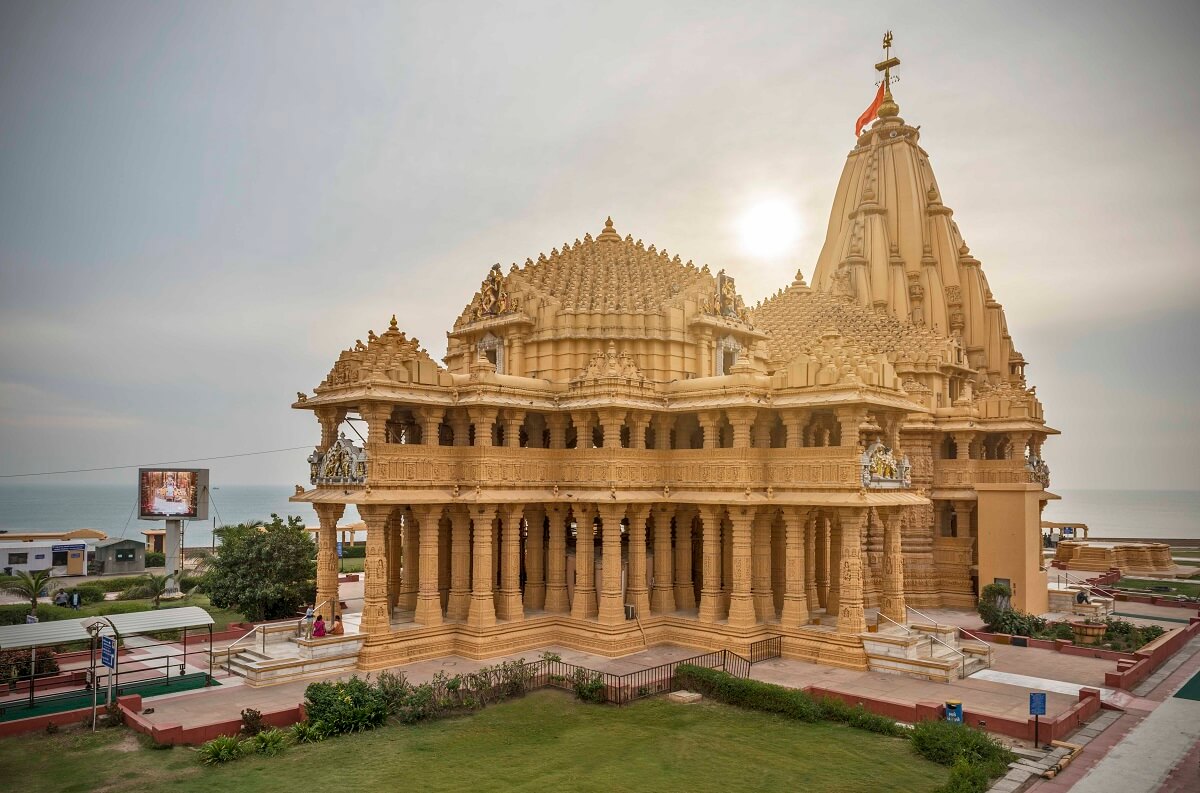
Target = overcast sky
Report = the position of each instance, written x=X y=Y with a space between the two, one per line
x=201 y=204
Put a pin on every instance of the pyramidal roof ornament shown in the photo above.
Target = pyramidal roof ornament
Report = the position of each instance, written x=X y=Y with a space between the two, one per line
x=609 y=234
x=889 y=108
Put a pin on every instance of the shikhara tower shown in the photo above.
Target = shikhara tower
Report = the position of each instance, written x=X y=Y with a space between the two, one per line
x=617 y=451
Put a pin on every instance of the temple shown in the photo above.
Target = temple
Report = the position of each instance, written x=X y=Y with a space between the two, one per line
x=616 y=451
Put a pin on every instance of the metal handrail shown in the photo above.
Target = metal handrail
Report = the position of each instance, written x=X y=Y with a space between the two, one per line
x=908 y=608
x=960 y=653
x=905 y=628
x=1084 y=583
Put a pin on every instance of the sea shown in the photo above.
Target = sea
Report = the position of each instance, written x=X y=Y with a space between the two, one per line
x=1148 y=514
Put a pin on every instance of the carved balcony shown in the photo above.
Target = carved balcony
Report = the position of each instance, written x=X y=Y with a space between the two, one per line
x=963 y=474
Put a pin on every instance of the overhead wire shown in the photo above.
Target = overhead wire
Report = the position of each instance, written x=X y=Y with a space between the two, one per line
x=152 y=465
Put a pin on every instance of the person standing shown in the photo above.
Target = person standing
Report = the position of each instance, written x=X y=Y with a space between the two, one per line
x=308 y=623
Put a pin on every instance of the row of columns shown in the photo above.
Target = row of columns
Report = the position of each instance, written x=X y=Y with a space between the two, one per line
x=822 y=563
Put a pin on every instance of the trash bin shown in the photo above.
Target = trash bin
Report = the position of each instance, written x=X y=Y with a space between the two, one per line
x=954 y=711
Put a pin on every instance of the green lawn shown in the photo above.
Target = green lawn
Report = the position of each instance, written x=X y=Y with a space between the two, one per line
x=352 y=565
x=221 y=617
x=1186 y=587
x=546 y=741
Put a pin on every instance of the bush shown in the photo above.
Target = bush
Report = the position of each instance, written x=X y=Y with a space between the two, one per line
x=346 y=706
x=220 y=750
x=187 y=583
x=974 y=756
x=750 y=694
x=14 y=664
x=308 y=732
x=394 y=689
x=88 y=593
x=1018 y=623
x=833 y=709
x=268 y=742
x=117 y=583
x=138 y=592
x=252 y=722
x=156 y=559
x=354 y=551
x=589 y=685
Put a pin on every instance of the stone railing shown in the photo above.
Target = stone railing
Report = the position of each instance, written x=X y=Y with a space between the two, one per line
x=965 y=473
x=417 y=466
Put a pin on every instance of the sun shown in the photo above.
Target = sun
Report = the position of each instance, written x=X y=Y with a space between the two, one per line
x=769 y=228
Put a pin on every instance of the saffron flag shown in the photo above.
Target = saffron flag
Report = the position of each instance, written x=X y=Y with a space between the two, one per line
x=869 y=114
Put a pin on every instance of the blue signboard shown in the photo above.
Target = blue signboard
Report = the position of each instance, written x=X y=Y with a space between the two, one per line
x=339 y=549
x=76 y=546
x=108 y=651
x=1037 y=704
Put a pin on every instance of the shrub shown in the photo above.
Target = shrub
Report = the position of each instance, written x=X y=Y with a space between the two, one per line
x=138 y=592
x=1018 y=623
x=345 y=706
x=188 y=583
x=252 y=722
x=51 y=728
x=394 y=689
x=14 y=664
x=88 y=593
x=114 y=717
x=589 y=685
x=993 y=600
x=307 y=732
x=117 y=583
x=156 y=559
x=751 y=694
x=268 y=742
x=974 y=756
x=220 y=750
x=857 y=716
x=354 y=551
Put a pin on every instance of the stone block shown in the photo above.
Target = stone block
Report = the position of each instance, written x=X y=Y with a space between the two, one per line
x=684 y=696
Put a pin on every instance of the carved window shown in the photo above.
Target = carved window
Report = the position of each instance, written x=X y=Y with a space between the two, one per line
x=493 y=349
x=727 y=354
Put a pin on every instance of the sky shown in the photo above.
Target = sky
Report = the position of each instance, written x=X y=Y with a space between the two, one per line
x=201 y=204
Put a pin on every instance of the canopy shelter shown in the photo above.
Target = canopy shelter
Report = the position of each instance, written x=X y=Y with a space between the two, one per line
x=1052 y=527
x=43 y=634
x=151 y=673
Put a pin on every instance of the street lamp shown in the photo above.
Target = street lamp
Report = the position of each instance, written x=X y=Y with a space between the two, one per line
x=93 y=626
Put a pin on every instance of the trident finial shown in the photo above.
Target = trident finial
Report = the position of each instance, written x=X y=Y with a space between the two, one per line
x=889 y=107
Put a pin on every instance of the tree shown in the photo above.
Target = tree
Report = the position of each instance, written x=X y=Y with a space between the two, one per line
x=28 y=585
x=154 y=586
x=263 y=570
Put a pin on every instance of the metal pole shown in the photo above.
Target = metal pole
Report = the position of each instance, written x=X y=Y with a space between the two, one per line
x=1036 y=719
x=95 y=688
x=32 y=672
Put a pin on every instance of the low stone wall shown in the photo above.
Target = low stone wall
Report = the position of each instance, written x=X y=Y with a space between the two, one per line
x=1152 y=656
x=178 y=735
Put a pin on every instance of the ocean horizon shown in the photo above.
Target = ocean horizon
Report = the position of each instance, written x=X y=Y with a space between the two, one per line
x=1165 y=514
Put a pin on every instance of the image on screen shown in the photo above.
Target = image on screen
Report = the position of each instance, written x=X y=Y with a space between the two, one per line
x=169 y=494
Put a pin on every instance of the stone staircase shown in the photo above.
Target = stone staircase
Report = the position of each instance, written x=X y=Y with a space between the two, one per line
x=932 y=652
x=273 y=653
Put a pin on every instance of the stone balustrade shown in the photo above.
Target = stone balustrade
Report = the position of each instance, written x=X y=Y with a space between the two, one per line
x=965 y=474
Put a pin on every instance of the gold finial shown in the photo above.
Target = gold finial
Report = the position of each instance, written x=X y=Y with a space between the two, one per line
x=889 y=108
x=392 y=325
x=609 y=234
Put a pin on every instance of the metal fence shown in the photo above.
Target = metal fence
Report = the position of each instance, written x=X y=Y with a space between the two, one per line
x=766 y=649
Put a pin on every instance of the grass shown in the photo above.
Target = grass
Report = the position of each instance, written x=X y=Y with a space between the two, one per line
x=546 y=741
x=352 y=565
x=221 y=617
x=1189 y=588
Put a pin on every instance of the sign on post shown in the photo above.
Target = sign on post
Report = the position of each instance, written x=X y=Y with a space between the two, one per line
x=108 y=651
x=339 y=549
x=1037 y=709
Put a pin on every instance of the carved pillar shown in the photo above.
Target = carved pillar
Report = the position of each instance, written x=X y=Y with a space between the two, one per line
x=584 y=604
x=726 y=566
x=612 y=602
x=741 y=601
x=482 y=611
x=611 y=421
x=535 y=557
x=330 y=418
x=638 y=422
x=635 y=585
x=710 y=584
x=962 y=445
x=327 y=560
x=375 y=620
x=662 y=599
x=428 y=610
x=849 y=420
x=557 y=424
x=764 y=595
x=513 y=419
x=484 y=420
x=410 y=560
x=515 y=360
x=822 y=530
x=762 y=429
x=710 y=423
x=962 y=517
x=583 y=421
x=741 y=420
x=460 y=424
x=810 y=560
x=685 y=590
x=509 y=602
x=794 y=420
x=663 y=422
x=850 y=602
x=460 y=564
x=557 y=601
x=395 y=557
x=431 y=421
x=835 y=565
x=891 y=605
x=377 y=415
x=795 y=593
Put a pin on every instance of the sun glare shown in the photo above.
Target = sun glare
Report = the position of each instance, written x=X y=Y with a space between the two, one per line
x=769 y=228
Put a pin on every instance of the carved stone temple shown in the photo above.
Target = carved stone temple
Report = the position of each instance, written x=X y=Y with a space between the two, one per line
x=616 y=451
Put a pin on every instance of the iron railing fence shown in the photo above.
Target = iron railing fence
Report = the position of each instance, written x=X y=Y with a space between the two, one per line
x=766 y=649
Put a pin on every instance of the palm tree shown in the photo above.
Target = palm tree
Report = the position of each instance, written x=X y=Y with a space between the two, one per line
x=29 y=585
x=154 y=586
